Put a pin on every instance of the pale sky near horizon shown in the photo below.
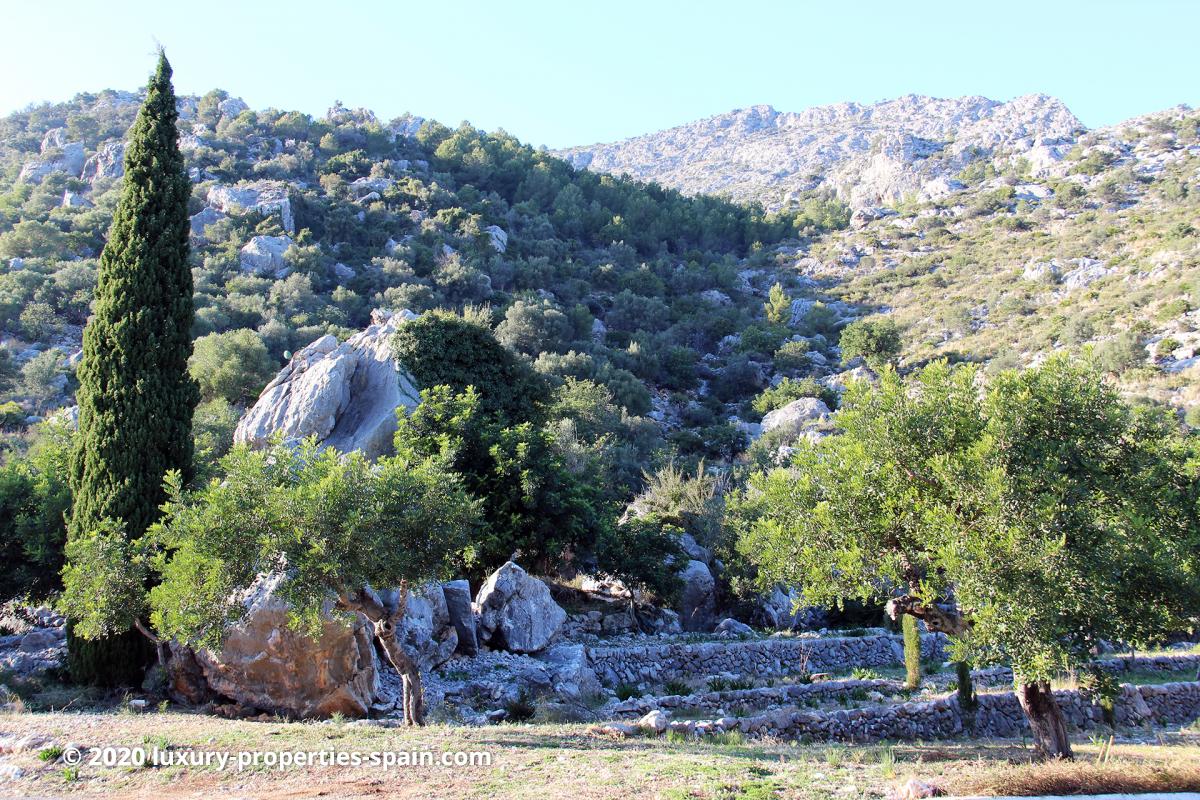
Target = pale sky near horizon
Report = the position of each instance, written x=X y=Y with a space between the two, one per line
x=562 y=73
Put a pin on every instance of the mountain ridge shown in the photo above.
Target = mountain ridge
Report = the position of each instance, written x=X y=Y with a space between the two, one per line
x=866 y=154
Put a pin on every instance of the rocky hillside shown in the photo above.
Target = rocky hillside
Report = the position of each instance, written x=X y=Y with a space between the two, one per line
x=302 y=227
x=867 y=154
x=989 y=231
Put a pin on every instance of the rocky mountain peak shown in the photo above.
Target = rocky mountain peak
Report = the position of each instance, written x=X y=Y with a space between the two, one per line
x=868 y=154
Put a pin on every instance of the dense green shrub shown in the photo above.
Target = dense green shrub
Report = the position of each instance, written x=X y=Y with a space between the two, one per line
x=441 y=349
x=535 y=508
x=876 y=341
x=233 y=366
x=645 y=554
x=34 y=501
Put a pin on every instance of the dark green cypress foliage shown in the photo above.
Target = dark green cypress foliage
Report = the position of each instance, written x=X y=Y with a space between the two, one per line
x=135 y=395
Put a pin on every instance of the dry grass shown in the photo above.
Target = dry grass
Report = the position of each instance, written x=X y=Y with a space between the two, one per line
x=554 y=761
x=1082 y=777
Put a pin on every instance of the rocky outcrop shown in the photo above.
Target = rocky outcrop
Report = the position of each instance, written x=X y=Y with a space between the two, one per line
x=264 y=197
x=37 y=644
x=345 y=394
x=870 y=155
x=263 y=255
x=516 y=611
x=57 y=155
x=796 y=415
x=458 y=606
x=266 y=665
x=780 y=609
x=202 y=219
x=107 y=162
x=497 y=238
x=426 y=631
x=697 y=601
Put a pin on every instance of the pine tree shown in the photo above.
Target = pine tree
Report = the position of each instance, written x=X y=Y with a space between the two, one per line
x=135 y=395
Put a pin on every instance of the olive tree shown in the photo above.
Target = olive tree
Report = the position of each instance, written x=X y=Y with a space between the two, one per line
x=1027 y=519
x=334 y=525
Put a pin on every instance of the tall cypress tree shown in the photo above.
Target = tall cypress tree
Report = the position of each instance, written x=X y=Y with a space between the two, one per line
x=135 y=395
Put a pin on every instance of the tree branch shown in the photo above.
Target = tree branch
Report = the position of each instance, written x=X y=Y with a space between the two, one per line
x=934 y=616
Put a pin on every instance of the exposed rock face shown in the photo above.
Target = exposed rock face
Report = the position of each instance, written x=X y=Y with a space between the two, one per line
x=458 y=606
x=75 y=200
x=1086 y=272
x=263 y=255
x=697 y=601
x=107 y=162
x=498 y=238
x=202 y=219
x=516 y=611
x=58 y=155
x=266 y=665
x=264 y=197
x=775 y=610
x=38 y=643
x=796 y=414
x=344 y=394
x=871 y=155
x=426 y=631
x=732 y=628
x=232 y=106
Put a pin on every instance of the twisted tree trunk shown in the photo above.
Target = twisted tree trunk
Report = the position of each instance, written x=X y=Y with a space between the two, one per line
x=1045 y=719
x=385 y=620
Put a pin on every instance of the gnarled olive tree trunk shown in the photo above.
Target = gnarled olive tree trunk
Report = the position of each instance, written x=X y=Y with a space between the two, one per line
x=1046 y=719
x=386 y=619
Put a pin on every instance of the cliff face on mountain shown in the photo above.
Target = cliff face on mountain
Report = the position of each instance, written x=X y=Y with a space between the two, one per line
x=868 y=155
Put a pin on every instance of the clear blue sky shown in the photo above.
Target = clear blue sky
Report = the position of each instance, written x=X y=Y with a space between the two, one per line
x=562 y=73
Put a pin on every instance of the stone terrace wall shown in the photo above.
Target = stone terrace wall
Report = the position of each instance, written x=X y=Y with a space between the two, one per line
x=757 y=657
x=792 y=694
x=998 y=715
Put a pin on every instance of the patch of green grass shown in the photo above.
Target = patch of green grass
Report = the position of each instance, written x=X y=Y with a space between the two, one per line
x=835 y=755
x=679 y=737
x=727 y=738
x=50 y=753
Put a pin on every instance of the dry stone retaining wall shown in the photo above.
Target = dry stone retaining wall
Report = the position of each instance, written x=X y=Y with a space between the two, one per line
x=715 y=702
x=998 y=715
x=759 y=657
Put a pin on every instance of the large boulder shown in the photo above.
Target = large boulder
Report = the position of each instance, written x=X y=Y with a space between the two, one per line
x=697 y=601
x=345 y=394
x=516 y=611
x=796 y=414
x=458 y=606
x=265 y=664
x=426 y=631
x=263 y=255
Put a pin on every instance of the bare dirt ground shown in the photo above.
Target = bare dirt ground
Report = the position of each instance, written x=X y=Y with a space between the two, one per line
x=546 y=761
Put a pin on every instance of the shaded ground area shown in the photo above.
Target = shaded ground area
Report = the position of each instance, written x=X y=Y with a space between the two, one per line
x=554 y=761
